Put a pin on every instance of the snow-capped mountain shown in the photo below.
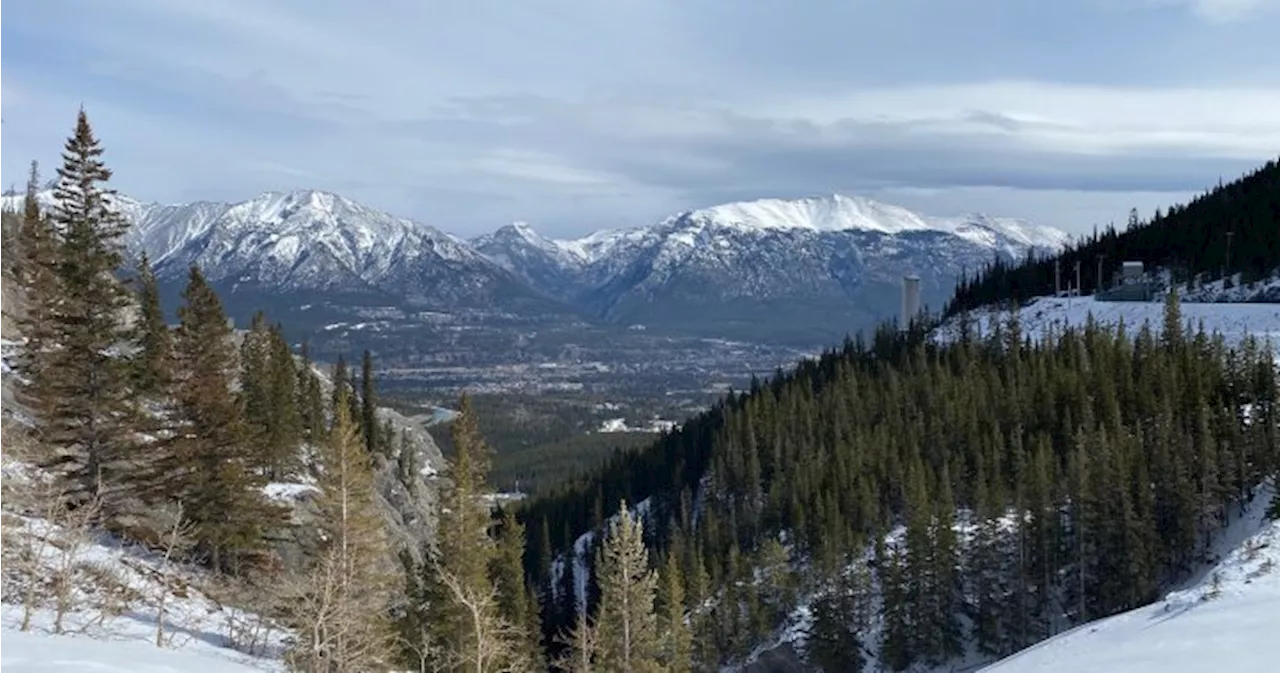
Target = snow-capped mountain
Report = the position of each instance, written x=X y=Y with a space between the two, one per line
x=551 y=266
x=820 y=266
x=806 y=270
x=314 y=242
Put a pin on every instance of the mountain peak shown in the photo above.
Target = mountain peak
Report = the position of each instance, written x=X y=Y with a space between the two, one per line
x=834 y=212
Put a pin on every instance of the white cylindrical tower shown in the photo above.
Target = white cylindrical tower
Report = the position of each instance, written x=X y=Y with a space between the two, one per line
x=910 y=300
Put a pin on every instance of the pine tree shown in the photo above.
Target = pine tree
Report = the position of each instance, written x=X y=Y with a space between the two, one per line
x=283 y=429
x=255 y=395
x=310 y=400
x=344 y=388
x=674 y=635
x=341 y=615
x=830 y=646
x=209 y=458
x=369 y=406
x=36 y=268
x=469 y=625
x=514 y=601
x=153 y=362
x=626 y=621
x=79 y=384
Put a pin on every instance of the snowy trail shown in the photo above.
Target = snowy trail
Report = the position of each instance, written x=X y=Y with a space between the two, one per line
x=1233 y=321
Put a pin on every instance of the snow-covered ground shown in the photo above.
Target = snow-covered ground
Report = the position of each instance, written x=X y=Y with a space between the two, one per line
x=117 y=598
x=1227 y=621
x=118 y=592
x=620 y=425
x=43 y=653
x=1042 y=315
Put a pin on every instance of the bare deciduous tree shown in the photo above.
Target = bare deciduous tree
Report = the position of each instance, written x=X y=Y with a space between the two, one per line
x=73 y=533
x=488 y=650
x=583 y=645
x=177 y=541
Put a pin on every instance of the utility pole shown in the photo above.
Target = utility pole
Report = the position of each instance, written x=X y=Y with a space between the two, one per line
x=1079 y=287
x=1057 y=277
x=1098 y=283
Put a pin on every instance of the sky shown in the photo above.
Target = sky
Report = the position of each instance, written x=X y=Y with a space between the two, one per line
x=581 y=115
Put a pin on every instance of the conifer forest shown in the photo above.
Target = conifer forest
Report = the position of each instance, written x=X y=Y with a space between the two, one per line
x=921 y=498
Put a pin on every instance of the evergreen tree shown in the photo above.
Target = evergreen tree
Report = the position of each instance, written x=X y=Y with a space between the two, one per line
x=255 y=394
x=79 y=385
x=840 y=616
x=36 y=268
x=283 y=430
x=209 y=456
x=468 y=624
x=344 y=388
x=153 y=362
x=369 y=406
x=674 y=636
x=626 y=621
x=581 y=648
x=310 y=400
x=516 y=605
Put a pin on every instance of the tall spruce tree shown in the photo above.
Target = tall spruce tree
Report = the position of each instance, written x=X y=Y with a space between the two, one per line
x=310 y=399
x=516 y=604
x=468 y=625
x=674 y=636
x=153 y=361
x=77 y=377
x=222 y=497
x=369 y=407
x=626 y=621
x=35 y=265
x=255 y=396
x=283 y=430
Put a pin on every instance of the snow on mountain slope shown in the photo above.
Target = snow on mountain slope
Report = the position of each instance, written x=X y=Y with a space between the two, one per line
x=828 y=263
x=43 y=653
x=545 y=264
x=305 y=240
x=1003 y=232
x=1040 y=316
x=825 y=213
x=1226 y=622
x=311 y=241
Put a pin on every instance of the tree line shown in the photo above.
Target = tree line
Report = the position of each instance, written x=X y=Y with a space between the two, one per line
x=992 y=491
x=1233 y=228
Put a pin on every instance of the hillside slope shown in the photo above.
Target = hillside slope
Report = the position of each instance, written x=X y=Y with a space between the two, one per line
x=1232 y=229
x=1225 y=622
x=42 y=653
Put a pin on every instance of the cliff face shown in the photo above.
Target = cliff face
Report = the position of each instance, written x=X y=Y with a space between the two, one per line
x=408 y=490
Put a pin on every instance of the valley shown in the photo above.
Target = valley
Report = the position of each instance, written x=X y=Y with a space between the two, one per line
x=640 y=337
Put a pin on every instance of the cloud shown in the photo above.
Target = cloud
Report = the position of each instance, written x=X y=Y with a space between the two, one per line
x=575 y=114
x=1226 y=11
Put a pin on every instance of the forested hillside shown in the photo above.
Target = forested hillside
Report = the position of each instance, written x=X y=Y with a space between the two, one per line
x=1025 y=487
x=1232 y=229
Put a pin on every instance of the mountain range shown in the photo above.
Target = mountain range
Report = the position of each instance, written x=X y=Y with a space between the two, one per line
x=797 y=271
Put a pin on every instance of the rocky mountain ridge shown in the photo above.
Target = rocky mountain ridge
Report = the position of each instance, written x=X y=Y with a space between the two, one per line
x=813 y=268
